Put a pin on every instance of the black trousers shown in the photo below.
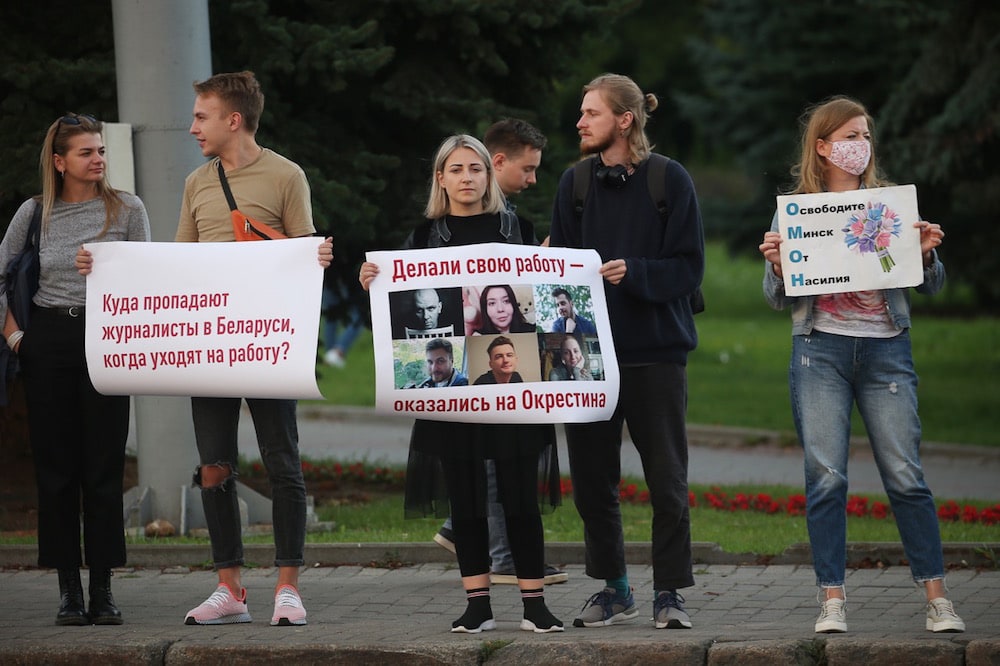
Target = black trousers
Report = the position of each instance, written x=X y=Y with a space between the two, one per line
x=653 y=402
x=78 y=442
x=466 y=482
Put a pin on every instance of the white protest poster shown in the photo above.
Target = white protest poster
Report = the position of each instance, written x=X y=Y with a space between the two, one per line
x=204 y=319
x=833 y=242
x=469 y=334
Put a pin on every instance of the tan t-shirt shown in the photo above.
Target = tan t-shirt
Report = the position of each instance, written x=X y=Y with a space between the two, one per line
x=271 y=189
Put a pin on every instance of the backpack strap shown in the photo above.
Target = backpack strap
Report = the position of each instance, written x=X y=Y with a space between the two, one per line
x=511 y=229
x=656 y=180
x=582 y=171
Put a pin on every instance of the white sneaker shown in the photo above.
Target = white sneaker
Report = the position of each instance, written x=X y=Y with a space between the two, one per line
x=221 y=607
x=288 y=608
x=334 y=358
x=833 y=617
x=941 y=616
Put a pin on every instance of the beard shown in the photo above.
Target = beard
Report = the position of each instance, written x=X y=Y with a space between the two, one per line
x=595 y=144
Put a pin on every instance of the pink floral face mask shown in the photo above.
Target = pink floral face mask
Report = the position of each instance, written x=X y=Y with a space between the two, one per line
x=851 y=156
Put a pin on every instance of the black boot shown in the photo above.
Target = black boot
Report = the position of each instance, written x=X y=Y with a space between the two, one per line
x=71 y=610
x=102 y=604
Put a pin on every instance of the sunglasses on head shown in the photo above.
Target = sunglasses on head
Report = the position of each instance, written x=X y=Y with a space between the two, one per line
x=73 y=119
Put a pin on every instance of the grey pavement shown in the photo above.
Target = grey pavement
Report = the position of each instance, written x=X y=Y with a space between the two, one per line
x=742 y=614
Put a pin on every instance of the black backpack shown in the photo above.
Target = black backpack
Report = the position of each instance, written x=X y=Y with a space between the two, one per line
x=656 y=175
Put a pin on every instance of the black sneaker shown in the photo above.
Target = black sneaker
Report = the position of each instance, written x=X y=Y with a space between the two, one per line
x=445 y=539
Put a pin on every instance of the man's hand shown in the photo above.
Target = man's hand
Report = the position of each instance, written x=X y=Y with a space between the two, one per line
x=614 y=270
x=326 y=252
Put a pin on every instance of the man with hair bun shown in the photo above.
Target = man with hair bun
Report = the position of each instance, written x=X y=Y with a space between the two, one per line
x=653 y=263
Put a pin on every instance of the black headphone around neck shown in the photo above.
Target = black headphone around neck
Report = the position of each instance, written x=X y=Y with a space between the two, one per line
x=611 y=176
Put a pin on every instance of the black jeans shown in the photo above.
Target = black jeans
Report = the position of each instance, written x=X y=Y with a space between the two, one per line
x=653 y=402
x=78 y=442
x=216 y=426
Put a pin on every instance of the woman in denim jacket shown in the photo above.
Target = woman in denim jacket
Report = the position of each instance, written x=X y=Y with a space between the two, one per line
x=855 y=348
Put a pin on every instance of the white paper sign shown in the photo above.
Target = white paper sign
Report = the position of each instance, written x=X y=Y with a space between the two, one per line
x=835 y=242
x=204 y=319
x=456 y=294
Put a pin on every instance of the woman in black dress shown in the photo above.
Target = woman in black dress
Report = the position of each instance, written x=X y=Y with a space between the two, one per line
x=464 y=209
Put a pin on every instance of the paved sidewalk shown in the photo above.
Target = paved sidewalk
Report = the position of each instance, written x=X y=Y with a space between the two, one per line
x=741 y=615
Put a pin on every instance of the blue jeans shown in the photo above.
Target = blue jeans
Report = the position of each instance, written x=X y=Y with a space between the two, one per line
x=216 y=422
x=827 y=375
x=339 y=333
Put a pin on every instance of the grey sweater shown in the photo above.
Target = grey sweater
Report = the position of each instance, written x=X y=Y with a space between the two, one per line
x=71 y=225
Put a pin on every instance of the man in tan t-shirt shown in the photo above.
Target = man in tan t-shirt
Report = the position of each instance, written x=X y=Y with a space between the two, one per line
x=274 y=191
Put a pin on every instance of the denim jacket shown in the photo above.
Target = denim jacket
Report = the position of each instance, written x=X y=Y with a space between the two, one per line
x=897 y=301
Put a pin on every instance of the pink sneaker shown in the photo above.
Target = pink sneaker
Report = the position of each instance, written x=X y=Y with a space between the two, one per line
x=222 y=607
x=288 y=609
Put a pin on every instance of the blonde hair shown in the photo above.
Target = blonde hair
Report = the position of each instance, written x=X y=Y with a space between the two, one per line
x=438 y=204
x=819 y=122
x=56 y=142
x=622 y=94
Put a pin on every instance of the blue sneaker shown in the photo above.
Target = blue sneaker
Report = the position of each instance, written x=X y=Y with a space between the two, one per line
x=605 y=608
x=668 y=611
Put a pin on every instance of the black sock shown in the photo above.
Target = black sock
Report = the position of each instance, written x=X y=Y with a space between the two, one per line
x=536 y=611
x=478 y=610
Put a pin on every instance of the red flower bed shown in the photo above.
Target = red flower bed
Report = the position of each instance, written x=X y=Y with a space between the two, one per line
x=795 y=505
x=631 y=493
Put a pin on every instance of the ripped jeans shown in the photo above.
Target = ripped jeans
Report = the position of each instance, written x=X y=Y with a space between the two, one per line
x=216 y=422
x=828 y=374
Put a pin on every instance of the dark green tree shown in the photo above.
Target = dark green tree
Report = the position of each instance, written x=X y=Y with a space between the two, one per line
x=359 y=94
x=942 y=123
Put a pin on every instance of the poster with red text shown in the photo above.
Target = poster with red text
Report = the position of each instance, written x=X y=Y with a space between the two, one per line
x=493 y=333
x=204 y=319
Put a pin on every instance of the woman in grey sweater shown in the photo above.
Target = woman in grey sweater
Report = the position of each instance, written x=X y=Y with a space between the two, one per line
x=77 y=435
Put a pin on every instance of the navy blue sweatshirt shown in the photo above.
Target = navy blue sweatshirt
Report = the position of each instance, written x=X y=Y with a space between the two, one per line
x=650 y=310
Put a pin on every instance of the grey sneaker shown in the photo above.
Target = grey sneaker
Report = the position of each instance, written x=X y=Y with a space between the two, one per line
x=832 y=617
x=446 y=539
x=941 y=616
x=554 y=576
x=607 y=607
x=668 y=611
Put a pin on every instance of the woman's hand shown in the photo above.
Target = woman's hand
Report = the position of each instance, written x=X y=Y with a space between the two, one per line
x=613 y=271
x=326 y=252
x=367 y=274
x=930 y=238
x=84 y=261
x=771 y=249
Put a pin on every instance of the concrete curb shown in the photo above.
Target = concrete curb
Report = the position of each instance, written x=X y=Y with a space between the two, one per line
x=503 y=652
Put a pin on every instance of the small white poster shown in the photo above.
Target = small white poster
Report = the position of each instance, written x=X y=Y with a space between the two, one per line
x=493 y=333
x=205 y=319
x=834 y=242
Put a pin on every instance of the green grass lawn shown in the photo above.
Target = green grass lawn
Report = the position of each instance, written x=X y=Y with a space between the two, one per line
x=738 y=375
x=735 y=531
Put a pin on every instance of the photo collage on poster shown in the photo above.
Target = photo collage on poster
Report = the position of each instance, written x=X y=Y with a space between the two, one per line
x=461 y=336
